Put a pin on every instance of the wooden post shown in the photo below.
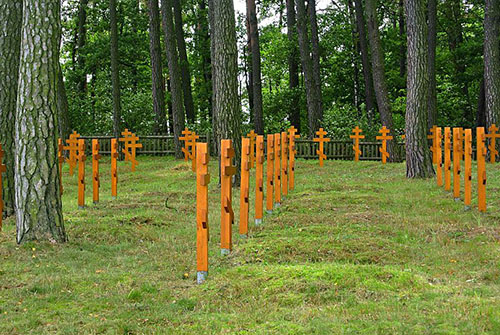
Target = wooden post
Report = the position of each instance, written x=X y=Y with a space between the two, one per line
x=259 y=180
x=447 y=158
x=357 y=136
x=321 y=139
x=244 y=186
x=114 y=168
x=202 y=231
x=384 y=137
x=493 y=135
x=293 y=151
x=439 y=157
x=252 y=136
x=130 y=145
x=3 y=169
x=227 y=215
x=461 y=138
x=60 y=157
x=270 y=174
x=96 y=183
x=468 y=169
x=481 y=169
x=456 y=163
x=72 y=148
x=81 y=174
x=194 y=137
x=277 y=169
x=284 y=163
x=432 y=137
x=186 y=132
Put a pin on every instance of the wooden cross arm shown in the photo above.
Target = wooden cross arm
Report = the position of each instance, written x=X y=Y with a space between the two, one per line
x=229 y=170
x=204 y=179
x=230 y=153
x=97 y=157
x=228 y=208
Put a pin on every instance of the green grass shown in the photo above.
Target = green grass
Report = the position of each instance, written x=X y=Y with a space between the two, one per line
x=354 y=249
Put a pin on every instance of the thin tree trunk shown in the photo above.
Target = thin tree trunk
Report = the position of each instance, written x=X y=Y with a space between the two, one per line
x=82 y=38
x=418 y=159
x=64 y=128
x=402 y=47
x=354 y=59
x=175 y=74
x=38 y=198
x=492 y=61
x=431 y=98
x=258 y=115
x=10 y=42
x=481 y=106
x=211 y=20
x=158 y=81
x=115 y=71
x=183 y=62
x=203 y=47
x=249 y=70
x=293 y=65
x=316 y=61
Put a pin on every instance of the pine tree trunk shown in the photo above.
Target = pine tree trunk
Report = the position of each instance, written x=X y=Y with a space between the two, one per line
x=431 y=98
x=492 y=61
x=82 y=38
x=10 y=42
x=402 y=48
x=158 y=82
x=293 y=66
x=418 y=159
x=307 y=67
x=115 y=71
x=256 y=67
x=183 y=62
x=203 y=47
x=378 y=67
x=175 y=74
x=211 y=18
x=38 y=198
x=64 y=128
x=316 y=61
x=365 y=59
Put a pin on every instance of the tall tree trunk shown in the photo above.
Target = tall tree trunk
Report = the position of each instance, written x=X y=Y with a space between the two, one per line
x=10 y=43
x=492 y=61
x=431 y=98
x=481 y=106
x=402 y=47
x=64 y=128
x=316 y=61
x=38 y=198
x=225 y=63
x=365 y=59
x=357 y=98
x=293 y=66
x=175 y=74
x=418 y=159
x=82 y=38
x=203 y=47
x=115 y=71
x=378 y=66
x=183 y=62
x=258 y=115
x=249 y=70
x=211 y=20
x=158 y=82
x=307 y=68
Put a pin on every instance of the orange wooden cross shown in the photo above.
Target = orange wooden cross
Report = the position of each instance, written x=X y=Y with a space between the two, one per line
x=81 y=173
x=270 y=174
x=131 y=144
x=321 y=139
x=277 y=169
x=481 y=169
x=202 y=231
x=252 y=136
x=284 y=163
x=189 y=149
x=227 y=215
x=293 y=151
x=186 y=138
x=384 y=137
x=432 y=137
x=259 y=180
x=439 y=157
x=3 y=169
x=72 y=148
x=244 y=186
x=60 y=160
x=357 y=136
x=493 y=135
x=457 y=143
x=114 y=168
x=96 y=183
x=447 y=158
x=468 y=168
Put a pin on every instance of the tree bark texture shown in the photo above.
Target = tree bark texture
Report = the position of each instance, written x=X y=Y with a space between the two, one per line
x=492 y=61
x=316 y=61
x=432 y=35
x=115 y=70
x=293 y=65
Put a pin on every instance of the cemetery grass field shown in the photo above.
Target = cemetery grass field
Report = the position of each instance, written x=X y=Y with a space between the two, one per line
x=354 y=249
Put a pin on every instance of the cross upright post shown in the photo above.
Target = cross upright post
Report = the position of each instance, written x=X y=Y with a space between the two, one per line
x=493 y=135
x=81 y=173
x=252 y=136
x=456 y=163
x=259 y=180
x=228 y=170
x=114 y=168
x=357 y=136
x=384 y=137
x=187 y=135
x=447 y=158
x=439 y=157
x=96 y=183
x=322 y=140
x=481 y=169
x=468 y=168
x=244 y=186
x=270 y=174
x=292 y=152
x=202 y=231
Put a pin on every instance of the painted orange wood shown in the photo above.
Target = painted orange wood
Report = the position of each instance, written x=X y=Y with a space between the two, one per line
x=493 y=135
x=3 y=169
x=60 y=160
x=384 y=138
x=114 y=168
x=259 y=179
x=96 y=183
x=270 y=173
x=292 y=133
x=481 y=169
x=432 y=137
x=277 y=169
x=321 y=139
x=227 y=215
x=72 y=149
x=189 y=149
x=447 y=158
x=131 y=144
x=244 y=186
x=202 y=230
x=457 y=142
x=357 y=136
x=439 y=157
x=284 y=163
x=468 y=167
x=252 y=136
x=81 y=173
x=186 y=138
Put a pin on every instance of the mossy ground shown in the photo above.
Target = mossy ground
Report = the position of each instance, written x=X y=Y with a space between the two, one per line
x=354 y=249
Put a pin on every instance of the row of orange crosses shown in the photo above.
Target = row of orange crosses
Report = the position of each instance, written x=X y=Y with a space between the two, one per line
x=3 y=169
x=357 y=136
x=131 y=144
x=384 y=137
x=189 y=137
x=321 y=139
